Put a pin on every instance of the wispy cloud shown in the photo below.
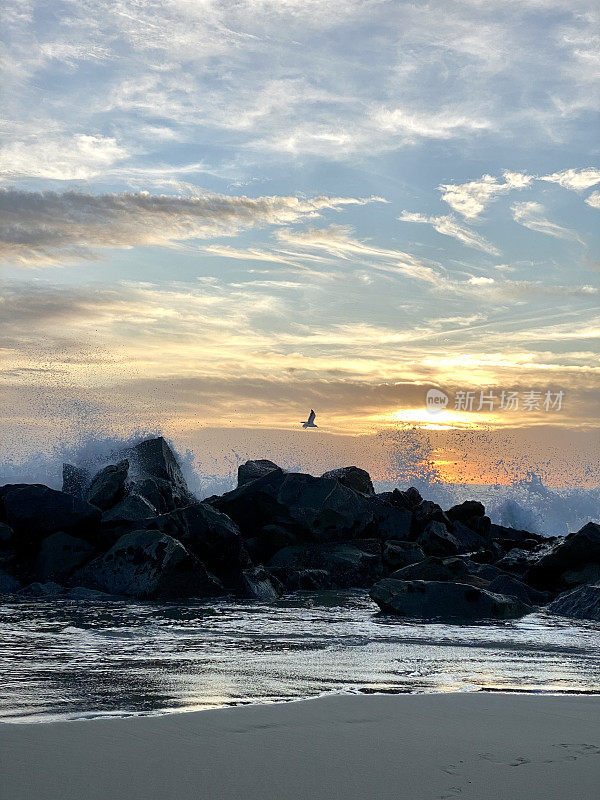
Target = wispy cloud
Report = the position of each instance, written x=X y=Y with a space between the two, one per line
x=576 y=179
x=593 y=200
x=532 y=215
x=49 y=227
x=339 y=242
x=449 y=226
x=471 y=198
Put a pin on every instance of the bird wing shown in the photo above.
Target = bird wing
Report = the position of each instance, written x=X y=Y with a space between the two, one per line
x=311 y=416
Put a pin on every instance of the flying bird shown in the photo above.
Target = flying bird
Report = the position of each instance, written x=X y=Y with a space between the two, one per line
x=310 y=422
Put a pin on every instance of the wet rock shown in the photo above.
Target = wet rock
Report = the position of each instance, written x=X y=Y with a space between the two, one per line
x=312 y=580
x=426 y=512
x=75 y=480
x=260 y=584
x=352 y=477
x=572 y=561
x=467 y=538
x=8 y=583
x=444 y=601
x=348 y=566
x=580 y=603
x=517 y=561
x=398 y=554
x=436 y=540
x=132 y=508
x=108 y=486
x=148 y=565
x=435 y=569
x=7 y=535
x=154 y=468
x=34 y=511
x=505 y=584
x=60 y=555
x=82 y=593
x=41 y=591
x=464 y=512
x=252 y=470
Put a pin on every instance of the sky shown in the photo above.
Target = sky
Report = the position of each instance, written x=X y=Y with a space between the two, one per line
x=219 y=215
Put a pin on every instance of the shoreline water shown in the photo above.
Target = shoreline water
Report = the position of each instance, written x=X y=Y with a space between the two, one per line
x=476 y=745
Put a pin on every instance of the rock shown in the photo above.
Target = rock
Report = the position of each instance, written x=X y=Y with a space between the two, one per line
x=260 y=585
x=8 y=583
x=505 y=584
x=468 y=539
x=348 y=566
x=434 y=569
x=574 y=560
x=312 y=580
x=108 y=486
x=60 y=555
x=82 y=593
x=132 y=508
x=391 y=522
x=148 y=565
x=513 y=536
x=41 y=591
x=7 y=535
x=398 y=554
x=153 y=458
x=580 y=603
x=252 y=470
x=436 y=540
x=35 y=511
x=75 y=480
x=352 y=477
x=214 y=539
x=464 y=512
x=444 y=601
x=517 y=561
x=426 y=512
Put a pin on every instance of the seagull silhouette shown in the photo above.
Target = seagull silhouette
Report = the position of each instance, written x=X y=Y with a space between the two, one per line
x=310 y=422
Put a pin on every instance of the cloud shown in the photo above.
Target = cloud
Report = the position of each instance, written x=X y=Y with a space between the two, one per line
x=338 y=242
x=448 y=226
x=593 y=200
x=47 y=227
x=576 y=179
x=471 y=198
x=77 y=157
x=532 y=215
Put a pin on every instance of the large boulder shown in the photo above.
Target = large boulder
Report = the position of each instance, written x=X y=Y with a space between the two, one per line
x=438 y=569
x=436 y=540
x=108 y=485
x=353 y=477
x=35 y=511
x=148 y=565
x=466 y=512
x=444 y=601
x=75 y=480
x=7 y=535
x=425 y=512
x=131 y=509
x=252 y=470
x=506 y=584
x=580 y=603
x=573 y=561
x=348 y=566
x=154 y=462
x=60 y=555
x=214 y=539
x=398 y=554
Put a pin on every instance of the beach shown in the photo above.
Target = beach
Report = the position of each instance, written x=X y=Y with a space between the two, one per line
x=484 y=746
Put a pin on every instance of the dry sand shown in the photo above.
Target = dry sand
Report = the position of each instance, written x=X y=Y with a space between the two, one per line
x=478 y=746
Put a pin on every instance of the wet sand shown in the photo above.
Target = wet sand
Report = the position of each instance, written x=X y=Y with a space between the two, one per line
x=476 y=746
